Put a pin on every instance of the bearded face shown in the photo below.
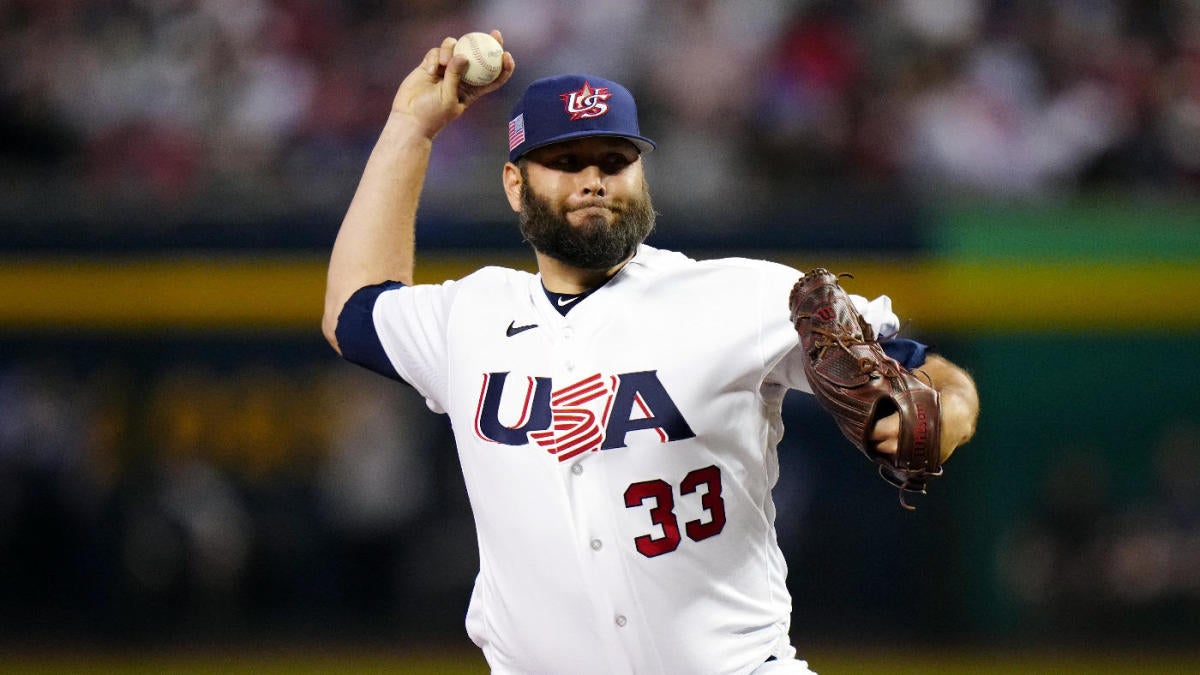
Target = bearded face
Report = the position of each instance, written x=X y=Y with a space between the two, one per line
x=599 y=241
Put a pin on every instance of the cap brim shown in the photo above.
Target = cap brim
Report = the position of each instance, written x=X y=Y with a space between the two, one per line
x=643 y=144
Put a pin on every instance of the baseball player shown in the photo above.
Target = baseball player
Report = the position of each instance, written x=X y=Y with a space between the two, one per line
x=616 y=414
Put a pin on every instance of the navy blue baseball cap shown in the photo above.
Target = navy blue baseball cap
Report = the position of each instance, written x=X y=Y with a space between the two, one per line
x=564 y=107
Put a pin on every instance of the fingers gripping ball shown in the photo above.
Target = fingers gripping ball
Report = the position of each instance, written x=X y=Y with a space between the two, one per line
x=857 y=383
x=483 y=54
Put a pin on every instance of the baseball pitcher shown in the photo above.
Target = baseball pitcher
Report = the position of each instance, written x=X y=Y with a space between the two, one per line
x=617 y=413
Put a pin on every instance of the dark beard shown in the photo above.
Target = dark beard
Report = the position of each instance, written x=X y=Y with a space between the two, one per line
x=594 y=245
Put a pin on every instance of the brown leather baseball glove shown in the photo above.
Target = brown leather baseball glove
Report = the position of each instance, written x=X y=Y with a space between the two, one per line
x=857 y=383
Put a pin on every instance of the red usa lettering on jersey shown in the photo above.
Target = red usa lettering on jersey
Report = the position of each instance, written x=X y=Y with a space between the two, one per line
x=595 y=413
x=586 y=102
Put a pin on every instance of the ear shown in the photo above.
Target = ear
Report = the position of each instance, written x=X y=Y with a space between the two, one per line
x=512 y=186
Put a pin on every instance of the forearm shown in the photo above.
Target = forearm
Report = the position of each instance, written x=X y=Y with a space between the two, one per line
x=376 y=241
x=959 y=401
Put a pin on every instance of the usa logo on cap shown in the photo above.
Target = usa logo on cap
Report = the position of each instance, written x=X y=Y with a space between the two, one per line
x=586 y=102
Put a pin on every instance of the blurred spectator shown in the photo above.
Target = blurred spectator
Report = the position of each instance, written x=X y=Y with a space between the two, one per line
x=1153 y=564
x=804 y=129
x=1052 y=563
x=994 y=129
x=1084 y=565
x=697 y=87
x=53 y=480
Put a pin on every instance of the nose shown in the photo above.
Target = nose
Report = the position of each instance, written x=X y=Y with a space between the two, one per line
x=592 y=179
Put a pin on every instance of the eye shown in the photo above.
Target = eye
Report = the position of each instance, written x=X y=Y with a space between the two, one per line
x=614 y=163
x=565 y=162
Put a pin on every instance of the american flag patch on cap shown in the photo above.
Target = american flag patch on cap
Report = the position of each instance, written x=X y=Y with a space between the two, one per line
x=516 y=131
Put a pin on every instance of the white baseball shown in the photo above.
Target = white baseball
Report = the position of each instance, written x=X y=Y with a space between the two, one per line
x=483 y=54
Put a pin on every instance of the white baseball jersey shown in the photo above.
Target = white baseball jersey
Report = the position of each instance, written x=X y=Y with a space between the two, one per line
x=619 y=459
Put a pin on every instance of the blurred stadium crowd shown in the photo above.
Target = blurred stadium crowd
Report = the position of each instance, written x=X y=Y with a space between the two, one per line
x=254 y=105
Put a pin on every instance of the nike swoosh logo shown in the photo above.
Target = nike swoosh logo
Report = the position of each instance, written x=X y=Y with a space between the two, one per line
x=513 y=328
x=563 y=302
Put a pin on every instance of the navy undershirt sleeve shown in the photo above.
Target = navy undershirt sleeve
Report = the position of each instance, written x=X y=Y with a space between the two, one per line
x=910 y=353
x=356 y=333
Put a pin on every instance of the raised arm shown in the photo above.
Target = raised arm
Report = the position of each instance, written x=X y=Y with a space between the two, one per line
x=376 y=240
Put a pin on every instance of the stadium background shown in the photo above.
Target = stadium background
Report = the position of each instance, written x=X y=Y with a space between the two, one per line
x=191 y=481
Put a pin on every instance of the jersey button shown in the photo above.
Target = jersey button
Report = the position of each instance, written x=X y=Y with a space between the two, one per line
x=577 y=468
x=570 y=365
x=597 y=544
x=621 y=621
